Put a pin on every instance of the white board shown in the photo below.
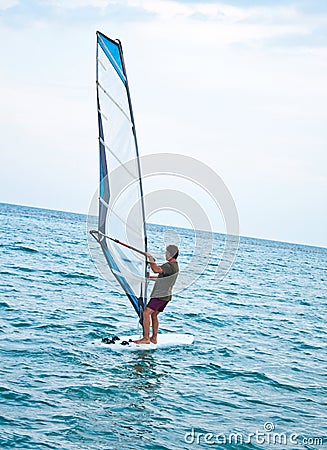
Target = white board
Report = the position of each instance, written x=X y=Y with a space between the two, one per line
x=165 y=340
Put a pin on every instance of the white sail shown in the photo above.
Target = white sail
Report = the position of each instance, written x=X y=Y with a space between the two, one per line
x=121 y=208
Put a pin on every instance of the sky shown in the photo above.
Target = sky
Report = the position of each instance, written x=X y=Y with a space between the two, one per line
x=238 y=85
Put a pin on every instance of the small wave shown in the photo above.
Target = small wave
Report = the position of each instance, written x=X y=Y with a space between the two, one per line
x=4 y=305
x=24 y=249
x=216 y=370
x=24 y=269
x=225 y=352
x=47 y=272
x=230 y=293
x=13 y=396
x=86 y=392
x=278 y=264
x=304 y=346
x=77 y=275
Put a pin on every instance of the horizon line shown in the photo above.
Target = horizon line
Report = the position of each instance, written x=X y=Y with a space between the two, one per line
x=181 y=228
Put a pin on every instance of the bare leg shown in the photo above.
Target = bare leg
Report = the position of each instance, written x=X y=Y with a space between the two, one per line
x=146 y=327
x=155 y=327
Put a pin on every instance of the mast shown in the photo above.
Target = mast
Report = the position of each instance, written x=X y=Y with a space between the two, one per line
x=140 y=172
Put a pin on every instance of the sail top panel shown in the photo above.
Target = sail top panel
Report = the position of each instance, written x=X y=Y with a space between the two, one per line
x=112 y=51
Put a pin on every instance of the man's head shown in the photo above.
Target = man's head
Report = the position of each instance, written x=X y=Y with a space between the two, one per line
x=171 y=252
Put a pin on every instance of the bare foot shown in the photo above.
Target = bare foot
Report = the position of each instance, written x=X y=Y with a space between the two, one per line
x=142 y=341
x=153 y=340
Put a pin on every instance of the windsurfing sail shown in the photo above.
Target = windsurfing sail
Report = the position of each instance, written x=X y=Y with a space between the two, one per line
x=121 y=216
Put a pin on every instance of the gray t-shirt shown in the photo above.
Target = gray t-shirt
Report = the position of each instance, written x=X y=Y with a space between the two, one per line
x=164 y=284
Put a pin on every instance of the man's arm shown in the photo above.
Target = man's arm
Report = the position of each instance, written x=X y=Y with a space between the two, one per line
x=154 y=267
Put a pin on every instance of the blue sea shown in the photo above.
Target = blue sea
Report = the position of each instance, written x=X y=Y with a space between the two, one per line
x=254 y=378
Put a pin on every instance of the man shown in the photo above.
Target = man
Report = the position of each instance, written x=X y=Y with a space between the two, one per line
x=161 y=293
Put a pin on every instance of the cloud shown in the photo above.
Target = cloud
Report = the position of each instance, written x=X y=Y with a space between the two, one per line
x=7 y=4
x=77 y=4
x=173 y=9
x=212 y=23
x=215 y=22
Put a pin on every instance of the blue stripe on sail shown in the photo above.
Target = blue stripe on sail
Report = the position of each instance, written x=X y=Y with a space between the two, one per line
x=113 y=54
x=124 y=284
x=103 y=174
x=104 y=184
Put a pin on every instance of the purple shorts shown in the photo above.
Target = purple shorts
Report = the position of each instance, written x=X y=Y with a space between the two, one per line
x=157 y=304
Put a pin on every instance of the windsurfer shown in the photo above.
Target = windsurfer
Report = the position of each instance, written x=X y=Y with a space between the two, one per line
x=161 y=293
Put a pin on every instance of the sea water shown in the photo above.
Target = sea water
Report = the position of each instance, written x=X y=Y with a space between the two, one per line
x=254 y=378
